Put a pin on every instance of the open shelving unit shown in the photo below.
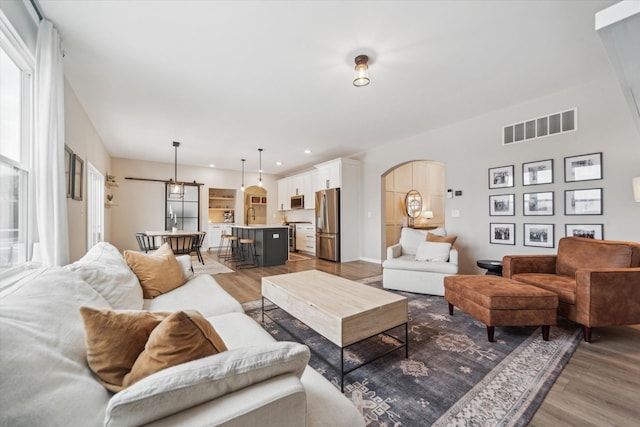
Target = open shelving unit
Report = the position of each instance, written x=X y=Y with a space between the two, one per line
x=109 y=184
x=221 y=201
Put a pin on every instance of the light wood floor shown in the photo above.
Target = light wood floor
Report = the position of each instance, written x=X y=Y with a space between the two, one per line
x=600 y=386
x=244 y=284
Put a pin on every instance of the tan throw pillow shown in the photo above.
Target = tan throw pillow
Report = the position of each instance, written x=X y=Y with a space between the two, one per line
x=115 y=339
x=444 y=239
x=158 y=273
x=180 y=338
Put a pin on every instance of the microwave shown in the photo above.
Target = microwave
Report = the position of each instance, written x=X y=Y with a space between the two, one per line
x=297 y=202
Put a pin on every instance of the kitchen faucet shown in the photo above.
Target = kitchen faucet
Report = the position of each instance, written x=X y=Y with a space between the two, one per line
x=254 y=214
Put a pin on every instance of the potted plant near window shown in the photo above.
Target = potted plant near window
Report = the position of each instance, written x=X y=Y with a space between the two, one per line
x=109 y=199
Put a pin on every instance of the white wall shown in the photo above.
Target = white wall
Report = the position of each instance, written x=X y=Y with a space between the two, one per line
x=470 y=147
x=83 y=139
x=141 y=203
x=80 y=135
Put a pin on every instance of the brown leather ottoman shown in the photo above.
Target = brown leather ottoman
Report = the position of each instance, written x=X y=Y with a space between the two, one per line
x=497 y=301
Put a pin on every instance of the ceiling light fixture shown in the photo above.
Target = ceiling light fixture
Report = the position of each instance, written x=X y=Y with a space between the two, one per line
x=307 y=151
x=260 y=181
x=361 y=78
x=242 y=188
x=176 y=189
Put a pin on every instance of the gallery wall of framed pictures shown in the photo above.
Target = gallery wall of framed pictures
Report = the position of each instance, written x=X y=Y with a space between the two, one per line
x=578 y=199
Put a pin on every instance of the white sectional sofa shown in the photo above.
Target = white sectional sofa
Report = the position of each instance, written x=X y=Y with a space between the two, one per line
x=45 y=379
x=402 y=271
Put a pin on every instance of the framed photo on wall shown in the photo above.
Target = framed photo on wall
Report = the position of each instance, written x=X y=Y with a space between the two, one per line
x=501 y=177
x=590 y=231
x=540 y=235
x=68 y=167
x=585 y=167
x=535 y=173
x=583 y=202
x=77 y=175
x=502 y=234
x=538 y=203
x=502 y=205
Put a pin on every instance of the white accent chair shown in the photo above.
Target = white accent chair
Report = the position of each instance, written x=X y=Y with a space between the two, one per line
x=401 y=271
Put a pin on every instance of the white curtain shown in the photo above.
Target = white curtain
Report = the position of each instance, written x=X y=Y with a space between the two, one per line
x=48 y=153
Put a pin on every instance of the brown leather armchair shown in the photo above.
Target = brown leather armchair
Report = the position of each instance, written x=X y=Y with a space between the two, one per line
x=597 y=281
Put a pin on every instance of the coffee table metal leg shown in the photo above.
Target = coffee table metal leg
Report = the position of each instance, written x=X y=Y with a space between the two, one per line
x=344 y=372
x=406 y=340
x=342 y=369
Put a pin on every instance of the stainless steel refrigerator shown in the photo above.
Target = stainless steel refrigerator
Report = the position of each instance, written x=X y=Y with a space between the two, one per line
x=328 y=224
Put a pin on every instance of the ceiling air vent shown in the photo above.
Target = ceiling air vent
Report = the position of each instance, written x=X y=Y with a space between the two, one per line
x=566 y=121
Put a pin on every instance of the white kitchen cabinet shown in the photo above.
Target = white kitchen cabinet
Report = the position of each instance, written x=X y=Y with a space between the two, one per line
x=215 y=231
x=303 y=184
x=310 y=239
x=310 y=182
x=296 y=184
x=329 y=175
x=306 y=238
x=284 y=198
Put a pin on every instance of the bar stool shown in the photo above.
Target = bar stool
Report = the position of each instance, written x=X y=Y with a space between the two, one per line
x=232 y=253
x=250 y=245
x=223 y=241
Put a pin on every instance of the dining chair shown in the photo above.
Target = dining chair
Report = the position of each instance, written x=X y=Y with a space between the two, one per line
x=197 y=244
x=180 y=245
x=146 y=243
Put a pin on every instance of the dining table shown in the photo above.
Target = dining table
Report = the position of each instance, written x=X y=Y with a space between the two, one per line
x=164 y=233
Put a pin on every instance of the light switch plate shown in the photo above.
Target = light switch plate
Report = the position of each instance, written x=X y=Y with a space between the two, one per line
x=455 y=213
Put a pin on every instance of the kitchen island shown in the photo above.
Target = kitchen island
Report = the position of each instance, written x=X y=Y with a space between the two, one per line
x=272 y=242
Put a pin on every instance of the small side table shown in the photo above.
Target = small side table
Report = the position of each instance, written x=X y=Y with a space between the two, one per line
x=494 y=268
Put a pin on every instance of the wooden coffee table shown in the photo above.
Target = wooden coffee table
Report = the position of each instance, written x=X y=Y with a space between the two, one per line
x=343 y=311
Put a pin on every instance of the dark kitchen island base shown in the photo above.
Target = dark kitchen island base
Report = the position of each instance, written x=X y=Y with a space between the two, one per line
x=271 y=242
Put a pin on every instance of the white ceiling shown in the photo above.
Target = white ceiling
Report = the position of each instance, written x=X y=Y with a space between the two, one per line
x=227 y=77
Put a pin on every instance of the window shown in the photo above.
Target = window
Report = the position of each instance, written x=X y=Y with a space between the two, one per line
x=16 y=65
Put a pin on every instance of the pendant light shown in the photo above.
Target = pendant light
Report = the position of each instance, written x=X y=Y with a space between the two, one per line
x=361 y=78
x=242 y=188
x=176 y=189
x=260 y=181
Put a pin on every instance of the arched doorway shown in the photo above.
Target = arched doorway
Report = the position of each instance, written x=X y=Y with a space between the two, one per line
x=255 y=206
x=424 y=176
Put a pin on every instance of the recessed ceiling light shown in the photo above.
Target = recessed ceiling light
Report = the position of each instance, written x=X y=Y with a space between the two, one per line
x=212 y=165
x=307 y=151
x=279 y=163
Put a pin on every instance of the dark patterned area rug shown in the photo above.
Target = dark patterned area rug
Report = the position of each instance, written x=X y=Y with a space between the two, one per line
x=453 y=376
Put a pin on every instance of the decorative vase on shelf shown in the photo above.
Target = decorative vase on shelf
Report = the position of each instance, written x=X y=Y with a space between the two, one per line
x=174 y=229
